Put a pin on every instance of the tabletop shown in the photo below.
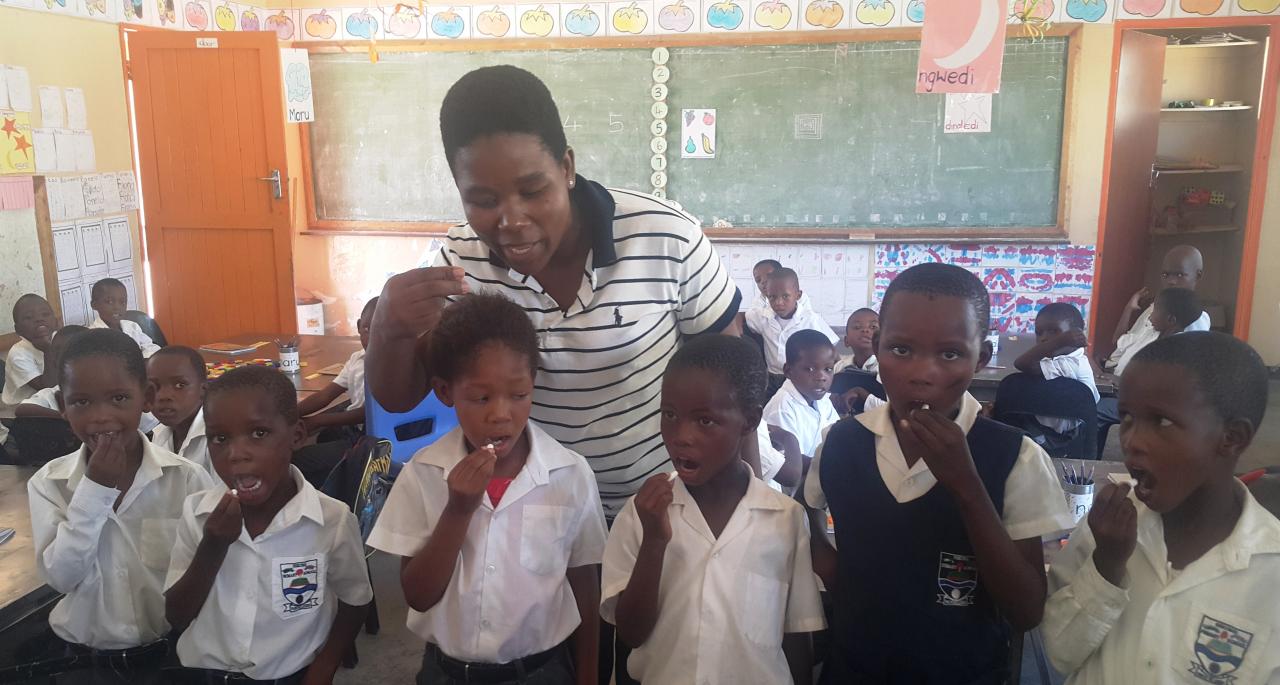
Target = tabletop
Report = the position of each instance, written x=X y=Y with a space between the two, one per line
x=317 y=353
x=22 y=590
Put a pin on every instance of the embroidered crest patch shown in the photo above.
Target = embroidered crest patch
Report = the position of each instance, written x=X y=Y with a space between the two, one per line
x=1220 y=651
x=957 y=579
x=299 y=585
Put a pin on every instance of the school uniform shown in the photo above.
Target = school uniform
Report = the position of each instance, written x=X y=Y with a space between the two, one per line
x=1141 y=334
x=1073 y=365
x=771 y=460
x=872 y=365
x=351 y=379
x=109 y=563
x=790 y=411
x=275 y=597
x=724 y=603
x=23 y=364
x=509 y=600
x=1216 y=621
x=48 y=398
x=908 y=574
x=194 y=447
x=776 y=331
x=132 y=330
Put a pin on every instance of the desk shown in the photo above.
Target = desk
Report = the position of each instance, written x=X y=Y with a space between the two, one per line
x=22 y=591
x=316 y=351
x=1011 y=347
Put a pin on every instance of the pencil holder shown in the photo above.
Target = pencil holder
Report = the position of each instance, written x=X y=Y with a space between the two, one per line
x=1079 y=499
x=289 y=362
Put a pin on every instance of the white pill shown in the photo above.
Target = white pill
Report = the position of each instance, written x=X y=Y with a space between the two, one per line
x=234 y=493
x=674 y=475
x=924 y=406
x=1122 y=479
x=489 y=447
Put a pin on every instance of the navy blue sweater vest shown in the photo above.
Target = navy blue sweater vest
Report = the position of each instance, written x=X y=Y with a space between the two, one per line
x=910 y=606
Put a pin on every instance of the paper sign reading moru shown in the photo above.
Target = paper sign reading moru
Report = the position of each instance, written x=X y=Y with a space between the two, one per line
x=962 y=47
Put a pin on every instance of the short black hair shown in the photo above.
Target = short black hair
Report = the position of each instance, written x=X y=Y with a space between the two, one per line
x=771 y=263
x=1227 y=371
x=803 y=341
x=862 y=310
x=71 y=330
x=1180 y=303
x=1062 y=311
x=193 y=358
x=934 y=279
x=104 y=342
x=496 y=100
x=27 y=297
x=369 y=308
x=471 y=322
x=785 y=274
x=739 y=361
x=265 y=379
x=103 y=284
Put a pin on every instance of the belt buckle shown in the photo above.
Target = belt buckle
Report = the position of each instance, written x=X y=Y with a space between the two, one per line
x=466 y=672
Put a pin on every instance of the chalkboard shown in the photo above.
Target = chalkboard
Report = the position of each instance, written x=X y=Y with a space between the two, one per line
x=375 y=146
x=817 y=135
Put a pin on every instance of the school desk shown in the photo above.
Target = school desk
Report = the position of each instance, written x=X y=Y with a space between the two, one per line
x=1011 y=347
x=22 y=591
x=315 y=351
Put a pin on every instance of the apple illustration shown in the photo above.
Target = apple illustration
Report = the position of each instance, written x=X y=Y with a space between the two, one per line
x=282 y=24
x=249 y=21
x=1202 y=7
x=320 y=25
x=582 y=22
x=773 y=14
x=405 y=21
x=224 y=18
x=95 y=7
x=362 y=24
x=448 y=24
x=1087 y=10
x=1146 y=8
x=493 y=22
x=824 y=13
x=1041 y=11
x=630 y=19
x=197 y=16
x=915 y=11
x=874 y=12
x=725 y=15
x=1260 y=6
x=537 y=22
x=676 y=17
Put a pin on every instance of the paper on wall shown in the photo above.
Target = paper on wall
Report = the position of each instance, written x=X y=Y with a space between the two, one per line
x=95 y=202
x=65 y=146
x=698 y=134
x=46 y=153
x=53 y=198
x=18 y=86
x=73 y=197
x=86 y=160
x=110 y=193
x=77 y=115
x=52 y=114
x=967 y=113
x=296 y=68
x=4 y=89
x=128 y=187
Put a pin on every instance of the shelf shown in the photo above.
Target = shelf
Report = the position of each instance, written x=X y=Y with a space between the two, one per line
x=1220 y=169
x=1227 y=228
x=1237 y=108
x=1232 y=44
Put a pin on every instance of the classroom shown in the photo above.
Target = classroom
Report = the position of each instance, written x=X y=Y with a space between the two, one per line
x=582 y=311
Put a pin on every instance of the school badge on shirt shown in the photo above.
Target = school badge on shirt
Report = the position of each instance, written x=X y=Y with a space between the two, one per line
x=298 y=584
x=1220 y=650
x=957 y=579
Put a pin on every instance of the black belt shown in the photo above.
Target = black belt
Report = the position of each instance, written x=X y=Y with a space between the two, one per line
x=212 y=676
x=481 y=673
x=80 y=657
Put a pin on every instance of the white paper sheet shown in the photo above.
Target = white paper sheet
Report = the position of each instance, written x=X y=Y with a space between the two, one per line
x=86 y=158
x=94 y=201
x=73 y=197
x=18 y=85
x=65 y=143
x=77 y=115
x=46 y=152
x=128 y=186
x=52 y=113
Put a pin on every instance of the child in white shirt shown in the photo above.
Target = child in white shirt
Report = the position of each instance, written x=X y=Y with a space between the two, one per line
x=802 y=406
x=44 y=403
x=707 y=575
x=859 y=336
x=787 y=313
x=499 y=527
x=24 y=373
x=1175 y=580
x=1059 y=352
x=350 y=381
x=178 y=375
x=1174 y=311
x=109 y=299
x=268 y=580
x=104 y=517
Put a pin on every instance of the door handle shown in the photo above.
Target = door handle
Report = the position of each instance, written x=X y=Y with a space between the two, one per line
x=274 y=180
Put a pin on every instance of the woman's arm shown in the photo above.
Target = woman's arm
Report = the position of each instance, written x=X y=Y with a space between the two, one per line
x=409 y=307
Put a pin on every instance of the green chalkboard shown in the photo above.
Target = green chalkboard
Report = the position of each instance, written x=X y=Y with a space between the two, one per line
x=821 y=135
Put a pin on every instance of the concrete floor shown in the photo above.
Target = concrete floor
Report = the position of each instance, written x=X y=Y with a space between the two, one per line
x=393 y=656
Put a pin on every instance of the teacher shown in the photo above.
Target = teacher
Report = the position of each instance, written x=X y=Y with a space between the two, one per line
x=614 y=281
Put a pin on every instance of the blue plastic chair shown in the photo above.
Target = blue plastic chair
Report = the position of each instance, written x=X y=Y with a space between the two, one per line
x=410 y=431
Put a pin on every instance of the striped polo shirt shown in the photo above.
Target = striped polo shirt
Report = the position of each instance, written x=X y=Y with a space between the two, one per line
x=651 y=279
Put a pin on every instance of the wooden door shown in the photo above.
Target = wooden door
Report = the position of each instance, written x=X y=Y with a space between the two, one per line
x=1126 y=199
x=210 y=128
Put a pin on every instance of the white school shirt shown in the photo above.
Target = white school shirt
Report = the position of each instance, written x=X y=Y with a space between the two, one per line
x=351 y=377
x=110 y=564
x=509 y=596
x=134 y=331
x=776 y=330
x=48 y=398
x=275 y=596
x=723 y=603
x=790 y=411
x=194 y=447
x=23 y=364
x=1034 y=504
x=771 y=459
x=872 y=365
x=1141 y=334
x=1166 y=625
x=1073 y=365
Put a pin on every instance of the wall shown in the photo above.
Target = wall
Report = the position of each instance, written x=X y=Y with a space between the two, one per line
x=73 y=52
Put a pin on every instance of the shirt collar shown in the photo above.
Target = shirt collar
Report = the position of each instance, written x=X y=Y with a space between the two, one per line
x=594 y=205
x=880 y=422
x=154 y=461
x=304 y=504
x=792 y=393
x=758 y=496
x=545 y=454
x=195 y=431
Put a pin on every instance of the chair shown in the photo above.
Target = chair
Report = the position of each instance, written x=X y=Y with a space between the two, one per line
x=40 y=440
x=855 y=378
x=410 y=431
x=148 y=326
x=1022 y=397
